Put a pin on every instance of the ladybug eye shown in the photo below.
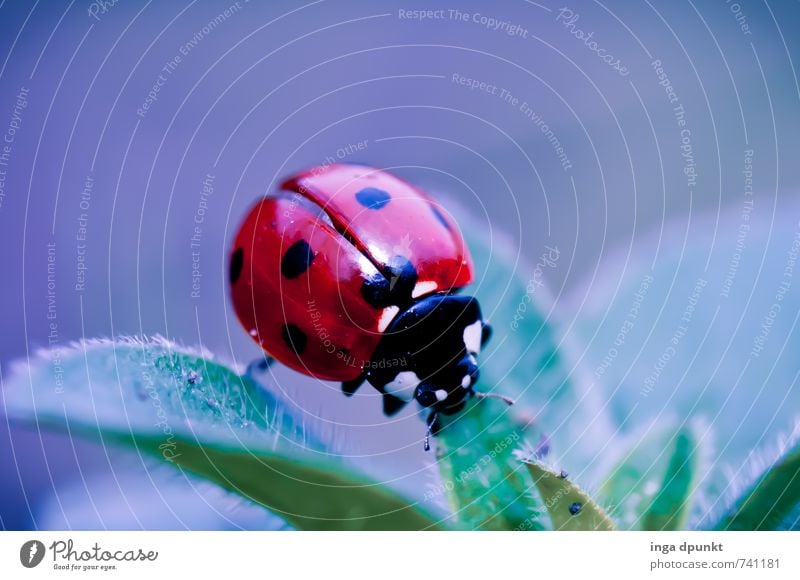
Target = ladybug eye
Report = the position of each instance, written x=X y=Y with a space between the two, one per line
x=425 y=397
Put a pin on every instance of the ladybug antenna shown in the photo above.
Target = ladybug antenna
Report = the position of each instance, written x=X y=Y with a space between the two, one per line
x=507 y=400
x=431 y=422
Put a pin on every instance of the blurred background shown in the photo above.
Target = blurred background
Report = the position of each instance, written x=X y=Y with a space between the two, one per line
x=654 y=145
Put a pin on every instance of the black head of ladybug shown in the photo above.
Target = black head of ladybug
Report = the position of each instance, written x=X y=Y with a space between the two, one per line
x=429 y=353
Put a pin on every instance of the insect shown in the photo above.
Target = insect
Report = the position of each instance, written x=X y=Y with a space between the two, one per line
x=351 y=274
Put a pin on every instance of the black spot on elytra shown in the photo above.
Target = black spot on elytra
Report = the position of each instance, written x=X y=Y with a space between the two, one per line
x=440 y=217
x=297 y=259
x=373 y=198
x=237 y=261
x=394 y=288
x=294 y=338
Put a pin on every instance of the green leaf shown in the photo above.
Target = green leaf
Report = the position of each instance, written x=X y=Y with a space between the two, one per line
x=570 y=508
x=771 y=501
x=308 y=494
x=719 y=271
x=791 y=522
x=148 y=386
x=182 y=407
x=670 y=507
x=484 y=481
x=652 y=487
x=525 y=358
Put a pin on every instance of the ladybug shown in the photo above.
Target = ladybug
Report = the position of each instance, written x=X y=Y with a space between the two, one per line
x=351 y=274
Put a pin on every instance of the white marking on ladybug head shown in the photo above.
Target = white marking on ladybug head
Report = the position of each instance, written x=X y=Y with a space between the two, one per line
x=441 y=395
x=466 y=382
x=403 y=385
x=422 y=288
x=472 y=337
x=387 y=315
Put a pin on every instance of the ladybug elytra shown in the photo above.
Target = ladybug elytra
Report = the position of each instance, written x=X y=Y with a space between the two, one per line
x=351 y=274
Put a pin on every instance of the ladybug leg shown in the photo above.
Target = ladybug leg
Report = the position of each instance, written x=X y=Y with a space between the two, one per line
x=350 y=387
x=434 y=426
x=392 y=404
x=260 y=365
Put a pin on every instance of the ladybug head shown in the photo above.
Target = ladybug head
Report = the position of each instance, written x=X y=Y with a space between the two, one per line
x=433 y=345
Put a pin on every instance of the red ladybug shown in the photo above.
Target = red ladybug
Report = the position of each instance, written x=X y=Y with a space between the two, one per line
x=351 y=274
